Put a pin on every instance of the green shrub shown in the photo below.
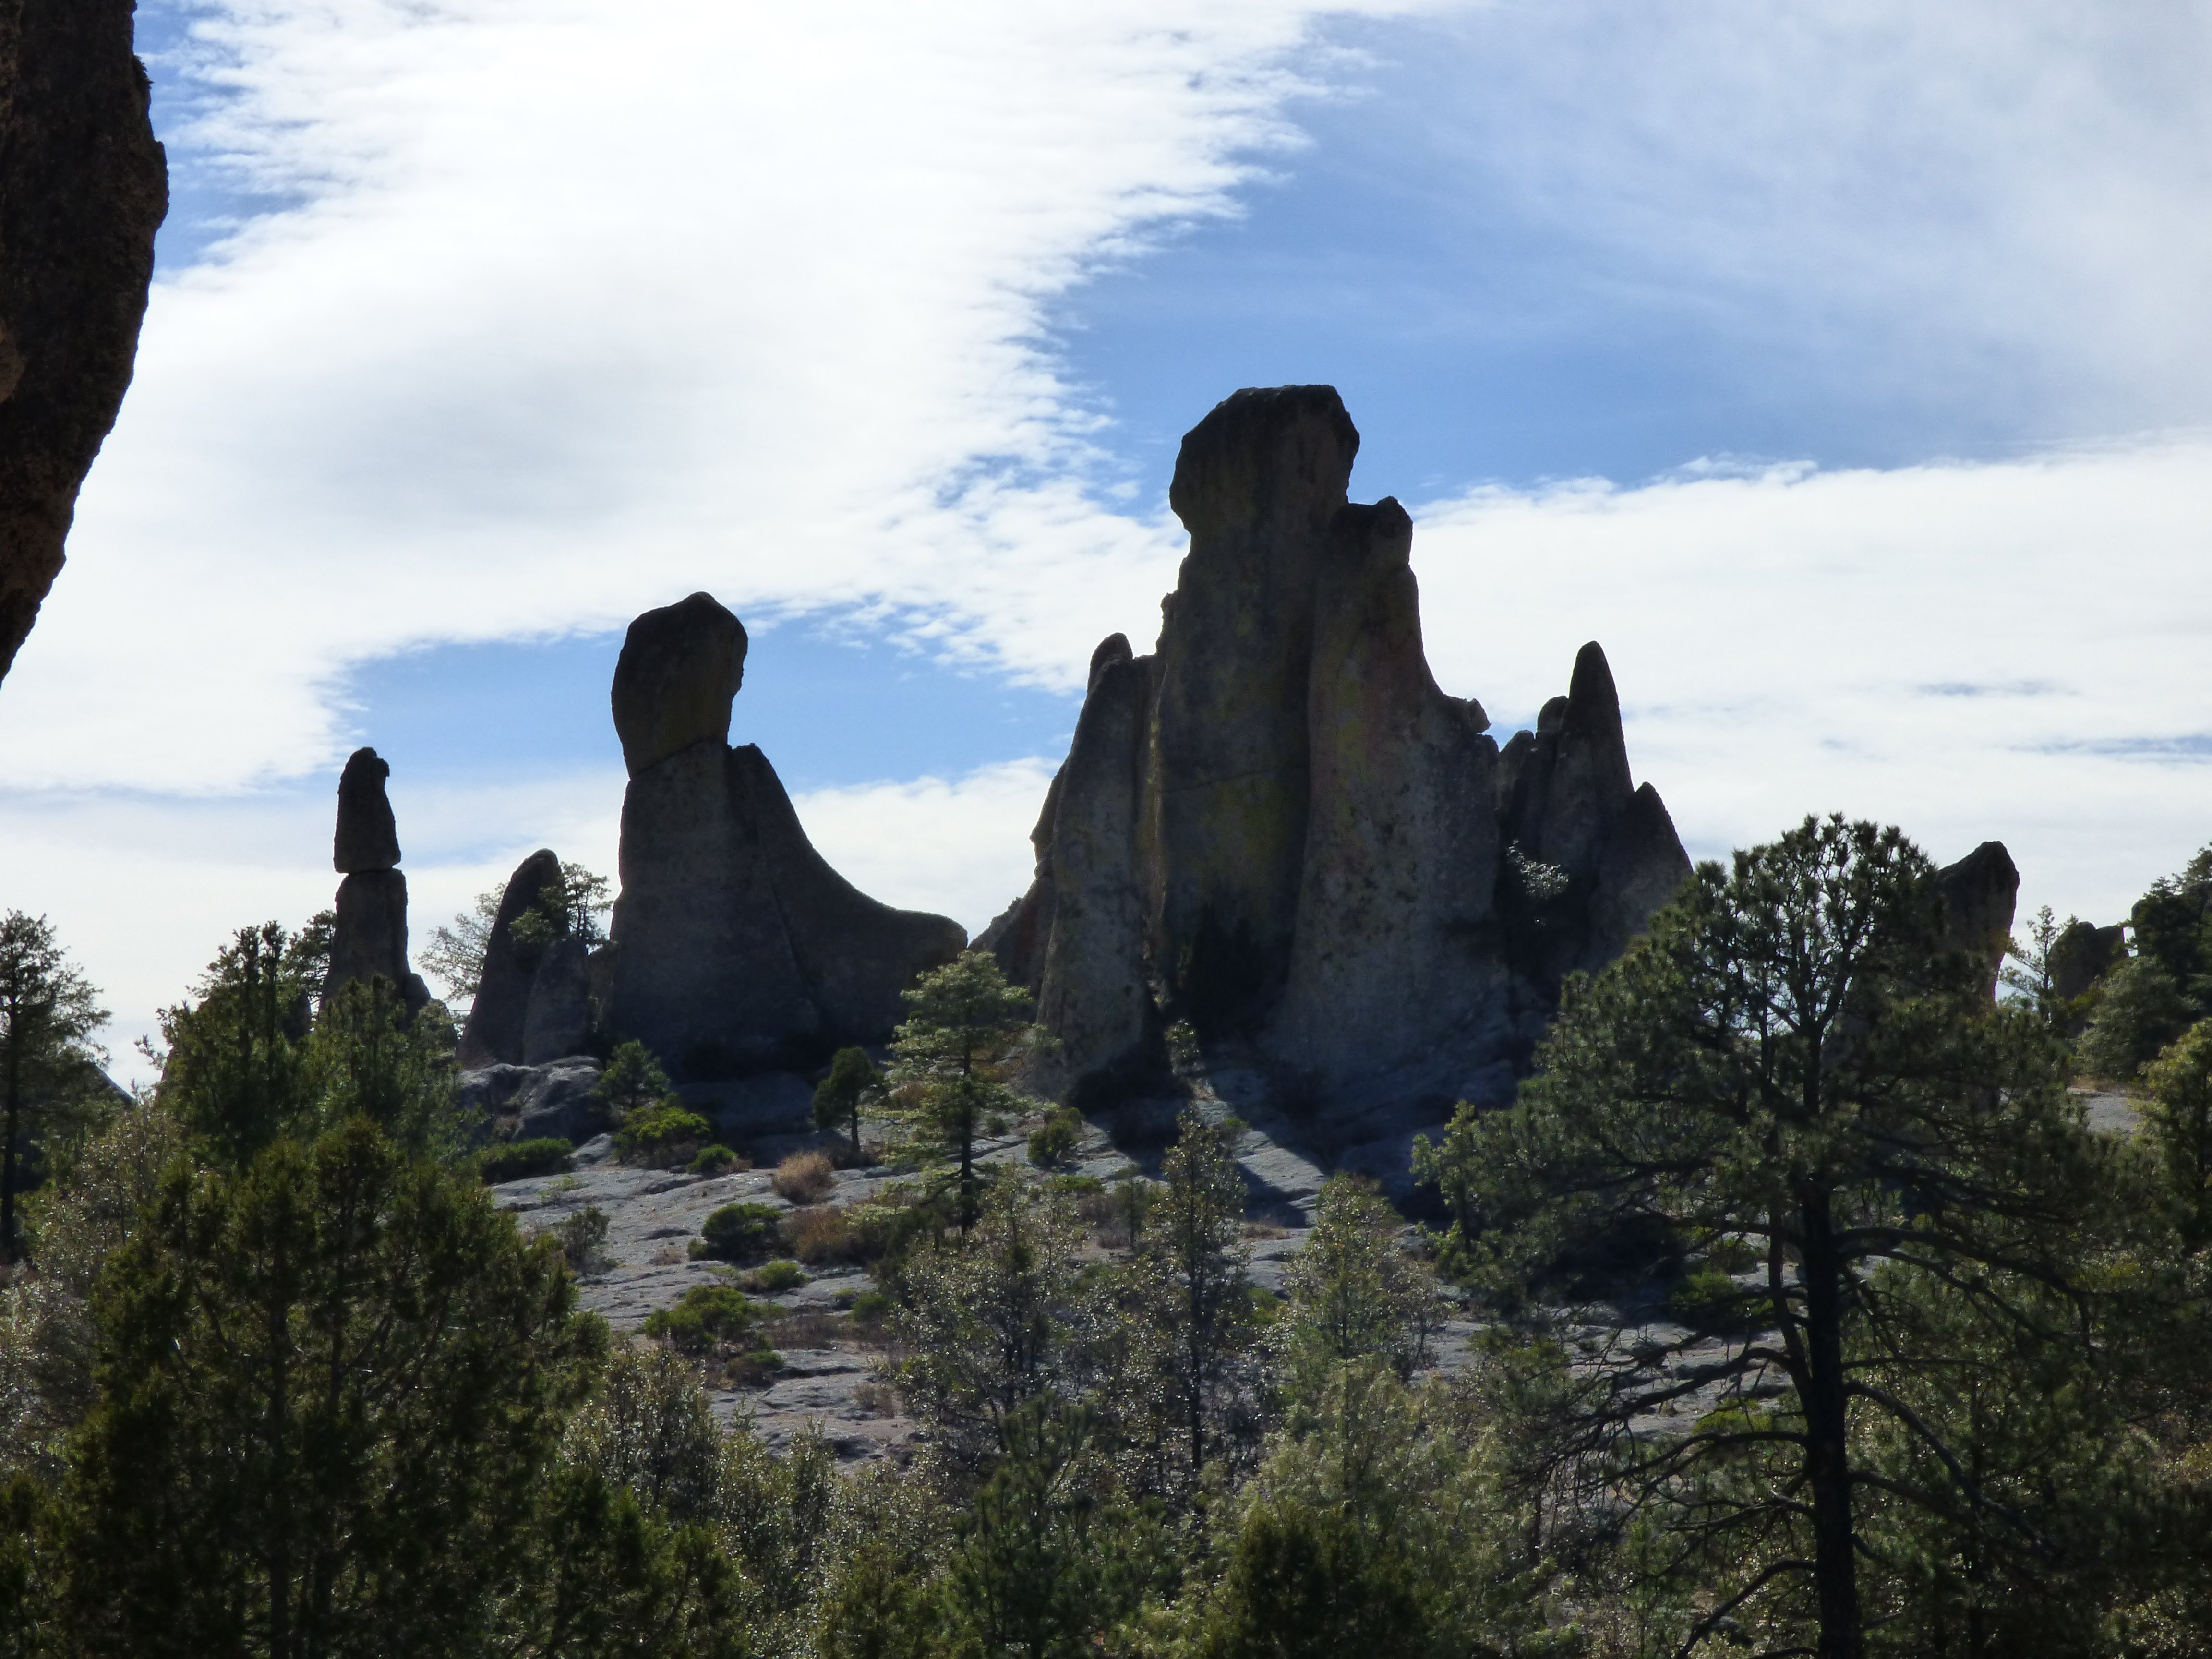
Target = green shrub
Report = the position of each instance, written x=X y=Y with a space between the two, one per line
x=583 y=1238
x=1706 y=1300
x=518 y=1160
x=739 y=1232
x=871 y=1306
x=1076 y=1186
x=715 y=1160
x=1051 y=1141
x=663 y=1136
x=774 y=1278
x=709 y=1318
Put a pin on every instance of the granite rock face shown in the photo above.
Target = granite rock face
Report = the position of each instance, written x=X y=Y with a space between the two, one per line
x=83 y=187
x=735 y=947
x=370 y=938
x=1279 y=829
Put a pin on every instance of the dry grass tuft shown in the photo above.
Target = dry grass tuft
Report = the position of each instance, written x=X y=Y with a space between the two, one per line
x=805 y=1177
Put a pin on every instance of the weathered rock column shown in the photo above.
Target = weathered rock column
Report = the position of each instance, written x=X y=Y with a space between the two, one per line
x=734 y=947
x=370 y=938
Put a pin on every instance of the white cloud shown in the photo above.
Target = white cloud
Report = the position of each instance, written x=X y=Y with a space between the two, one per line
x=2010 y=650
x=590 y=304
x=2003 y=205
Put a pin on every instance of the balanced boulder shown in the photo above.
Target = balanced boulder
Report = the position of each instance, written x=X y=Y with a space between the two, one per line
x=369 y=939
x=734 y=948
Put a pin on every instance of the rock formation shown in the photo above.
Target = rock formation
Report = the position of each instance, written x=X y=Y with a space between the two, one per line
x=533 y=1001
x=1979 y=892
x=83 y=187
x=2083 y=954
x=1278 y=827
x=370 y=938
x=735 y=948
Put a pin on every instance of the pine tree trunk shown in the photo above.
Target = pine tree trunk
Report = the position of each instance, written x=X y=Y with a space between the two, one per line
x=1835 y=1562
x=7 y=1252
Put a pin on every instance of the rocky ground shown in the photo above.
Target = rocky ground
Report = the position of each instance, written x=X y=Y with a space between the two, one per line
x=833 y=1376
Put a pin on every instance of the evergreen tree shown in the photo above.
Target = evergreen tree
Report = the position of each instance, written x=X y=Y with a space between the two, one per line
x=48 y=1013
x=328 y=1386
x=966 y=1033
x=1791 y=1060
x=1189 y=1324
x=1353 y=1292
x=236 y=1071
x=838 y=1097
x=993 y=1319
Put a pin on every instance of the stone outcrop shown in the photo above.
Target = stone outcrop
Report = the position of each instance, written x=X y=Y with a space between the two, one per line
x=83 y=187
x=2083 y=954
x=1279 y=829
x=369 y=941
x=1979 y=892
x=500 y=1015
x=735 y=948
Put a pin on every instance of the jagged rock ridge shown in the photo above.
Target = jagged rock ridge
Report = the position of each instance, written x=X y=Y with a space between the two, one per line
x=734 y=948
x=1278 y=827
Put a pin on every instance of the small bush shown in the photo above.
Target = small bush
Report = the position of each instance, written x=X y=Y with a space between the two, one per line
x=518 y=1160
x=662 y=1137
x=870 y=1308
x=804 y=1178
x=1078 y=1186
x=749 y=1370
x=583 y=1238
x=716 y=1160
x=709 y=1318
x=1052 y=1140
x=1706 y=1300
x=739 y=1232
x=774 y=1278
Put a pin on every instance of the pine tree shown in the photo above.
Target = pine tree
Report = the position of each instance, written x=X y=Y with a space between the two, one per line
x=1789 y=1068
x=966 y=1034
x=48 y=1013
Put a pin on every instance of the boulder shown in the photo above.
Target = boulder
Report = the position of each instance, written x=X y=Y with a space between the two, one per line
x=679 y=668
x=366 y=838
x=83 y=187
x=2083 y=954
x=735 y=948
x=535 y=1101
x=494 y=1034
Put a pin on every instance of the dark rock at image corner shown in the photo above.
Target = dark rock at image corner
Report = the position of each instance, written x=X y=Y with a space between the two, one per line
x=83 y=187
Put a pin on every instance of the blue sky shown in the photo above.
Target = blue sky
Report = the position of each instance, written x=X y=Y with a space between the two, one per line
x=1810 y=361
